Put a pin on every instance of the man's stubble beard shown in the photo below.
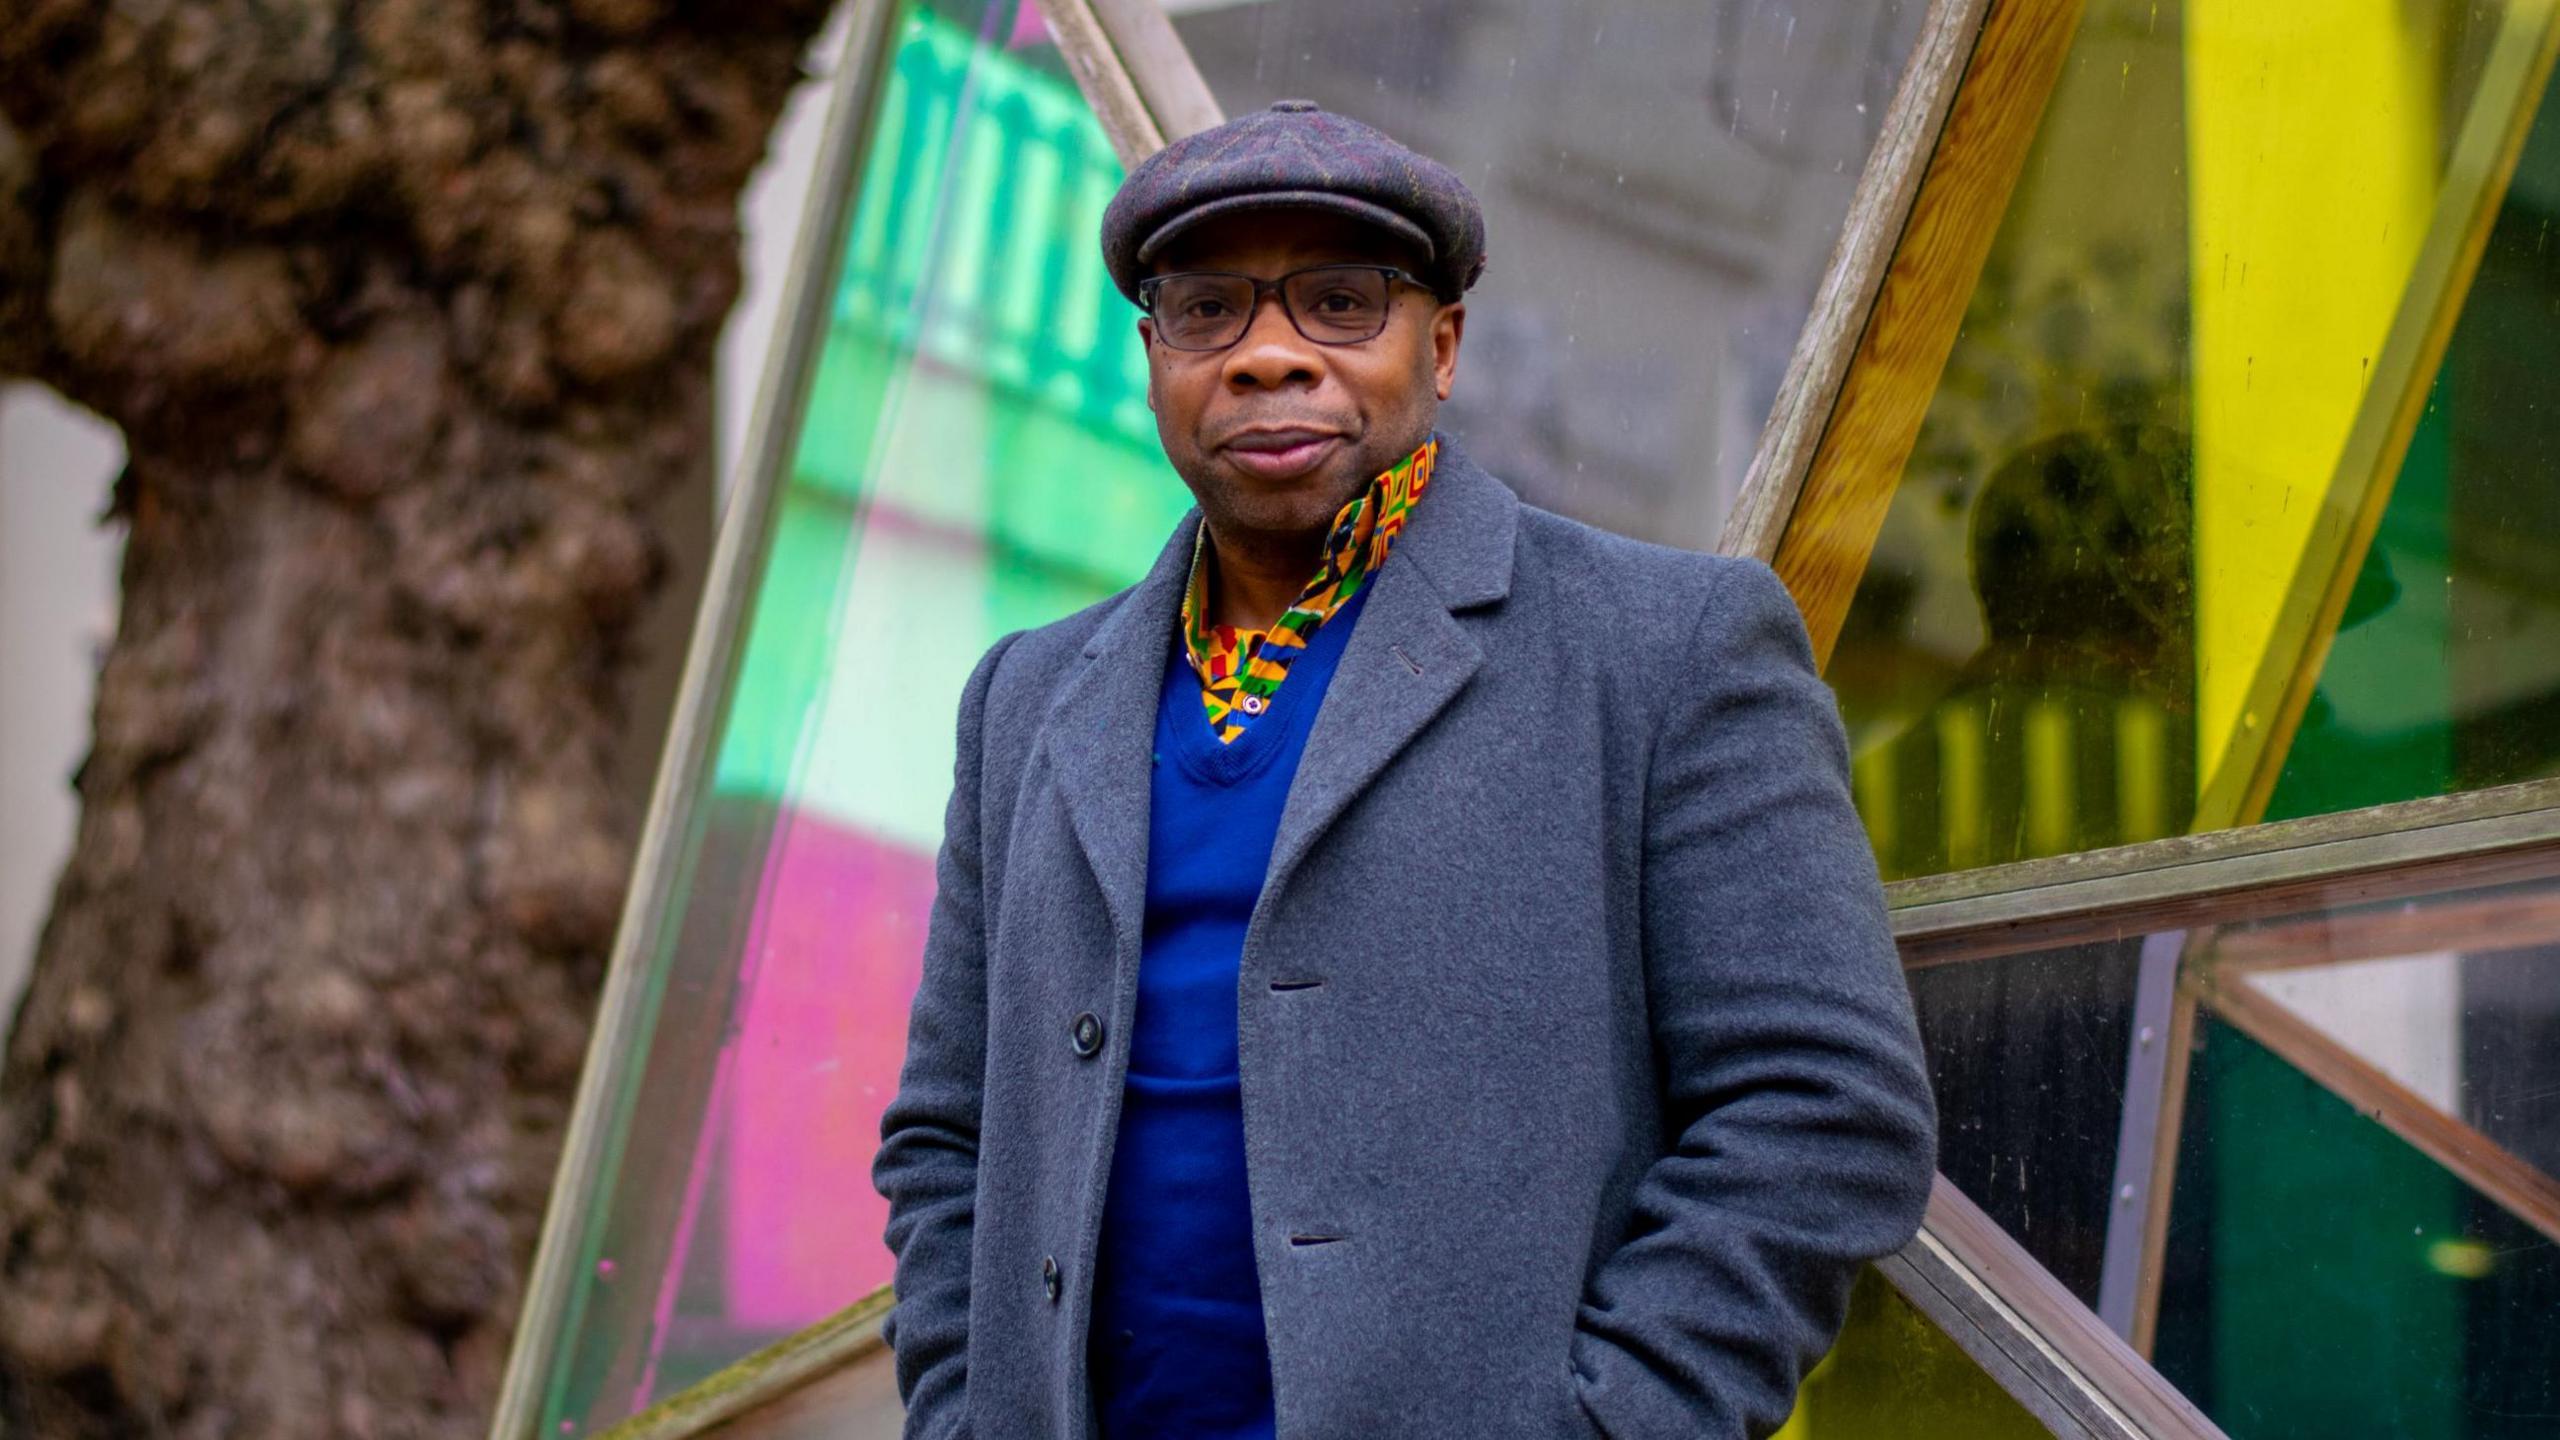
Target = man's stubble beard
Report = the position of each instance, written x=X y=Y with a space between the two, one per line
x=1238 y=510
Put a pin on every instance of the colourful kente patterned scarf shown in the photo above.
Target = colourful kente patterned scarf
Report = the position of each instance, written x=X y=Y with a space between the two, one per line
x=1240 y=669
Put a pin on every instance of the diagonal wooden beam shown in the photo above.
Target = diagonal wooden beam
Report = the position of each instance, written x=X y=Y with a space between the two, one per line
x=1877 y=214
x=1107 y=86
x=770 y=1379
x=1824 y=543
x=1975 y=1282
x=1168 y=80
x=2454 y=843
x=1133 y=71
x=2496 y=920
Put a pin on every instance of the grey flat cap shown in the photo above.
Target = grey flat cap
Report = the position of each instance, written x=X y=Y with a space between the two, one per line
x=1295 y=156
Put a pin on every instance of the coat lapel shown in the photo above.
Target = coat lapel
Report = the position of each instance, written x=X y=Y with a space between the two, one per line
x=1100 y=733
x=1408 y=655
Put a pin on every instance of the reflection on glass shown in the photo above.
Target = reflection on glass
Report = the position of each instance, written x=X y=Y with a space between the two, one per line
x=1662 y=182
x=2027 y=1058
x=2361 y=1230
x=2132 y=484
x=977 y=457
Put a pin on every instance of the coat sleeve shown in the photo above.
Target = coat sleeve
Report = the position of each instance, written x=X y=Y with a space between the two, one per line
x=927 y=1165
x=1799 y=1130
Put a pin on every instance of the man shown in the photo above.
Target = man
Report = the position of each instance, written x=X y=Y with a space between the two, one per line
x=1408 y=967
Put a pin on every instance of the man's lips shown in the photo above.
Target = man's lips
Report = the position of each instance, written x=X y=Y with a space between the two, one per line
x=1280 y=454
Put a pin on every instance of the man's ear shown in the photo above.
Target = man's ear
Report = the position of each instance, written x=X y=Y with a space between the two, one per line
x=1147 y=339
x=1447 y=329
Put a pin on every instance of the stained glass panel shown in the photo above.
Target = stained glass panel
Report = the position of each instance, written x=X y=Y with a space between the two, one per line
x=977 y=457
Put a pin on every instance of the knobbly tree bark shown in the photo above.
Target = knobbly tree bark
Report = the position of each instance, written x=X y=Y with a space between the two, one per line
x=406 y=309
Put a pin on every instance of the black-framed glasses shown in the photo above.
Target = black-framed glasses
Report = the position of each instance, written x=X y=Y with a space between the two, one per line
x=1330 y=304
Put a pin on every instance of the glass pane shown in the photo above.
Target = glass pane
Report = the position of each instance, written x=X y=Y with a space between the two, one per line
x=2329 y=1279
x=977 y=457
x=2027 y=1058
x=2135 y=474
x=2361 y=1229
x=1662 y=182
x=2446 y=670
x=1895 y=1374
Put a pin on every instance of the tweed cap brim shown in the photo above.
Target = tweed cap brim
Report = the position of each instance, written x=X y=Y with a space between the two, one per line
x=1351 y=205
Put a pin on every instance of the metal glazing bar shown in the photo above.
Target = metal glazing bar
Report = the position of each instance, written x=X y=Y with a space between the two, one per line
x=2138 y=1134
x=617 y=1048
x=2180 y=1054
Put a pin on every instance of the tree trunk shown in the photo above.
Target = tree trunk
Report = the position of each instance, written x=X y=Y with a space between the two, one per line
x=406 y=309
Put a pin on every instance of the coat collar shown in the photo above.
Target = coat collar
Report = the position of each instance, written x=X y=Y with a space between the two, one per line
x=1100 y=731
x=1462 y=532
x=1407 y=658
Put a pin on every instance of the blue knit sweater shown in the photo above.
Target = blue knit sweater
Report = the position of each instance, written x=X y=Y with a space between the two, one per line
x=1177 y=1343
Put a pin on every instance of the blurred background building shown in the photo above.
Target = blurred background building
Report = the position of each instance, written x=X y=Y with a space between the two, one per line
x=1657 y=239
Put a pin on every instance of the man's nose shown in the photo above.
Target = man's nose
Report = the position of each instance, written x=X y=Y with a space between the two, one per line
x=1272 y=355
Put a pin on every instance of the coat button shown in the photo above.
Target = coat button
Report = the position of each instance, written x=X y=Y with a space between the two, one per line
x=1087 y=1034
x=1049 y=1277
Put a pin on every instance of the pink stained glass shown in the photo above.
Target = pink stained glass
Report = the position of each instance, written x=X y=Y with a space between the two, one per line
x=776 y=1225
x=841 y=936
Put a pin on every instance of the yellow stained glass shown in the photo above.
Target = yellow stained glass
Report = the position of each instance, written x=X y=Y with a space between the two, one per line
x=1894 y=1374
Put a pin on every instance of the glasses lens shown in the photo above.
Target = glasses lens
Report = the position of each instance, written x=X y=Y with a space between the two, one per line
x=1339 y=303
x=1202 y=312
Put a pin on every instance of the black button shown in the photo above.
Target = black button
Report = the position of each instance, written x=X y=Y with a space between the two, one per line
x=1087 y=1034
x=1049 y=1277
x=1293 y=107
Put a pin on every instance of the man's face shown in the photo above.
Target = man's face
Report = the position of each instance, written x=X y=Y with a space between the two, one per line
x=1276 y=432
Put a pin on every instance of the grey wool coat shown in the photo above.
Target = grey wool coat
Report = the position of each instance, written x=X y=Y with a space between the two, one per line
x=1578 y=1071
